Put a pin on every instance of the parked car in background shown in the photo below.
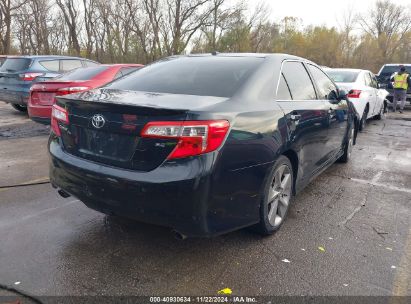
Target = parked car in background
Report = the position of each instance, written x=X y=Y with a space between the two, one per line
x=42 y=94
x=385 y=74
x=205 y=144
x=363 y=90
x=18 y=73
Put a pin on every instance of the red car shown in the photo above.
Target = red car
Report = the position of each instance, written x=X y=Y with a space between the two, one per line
x=42 y=94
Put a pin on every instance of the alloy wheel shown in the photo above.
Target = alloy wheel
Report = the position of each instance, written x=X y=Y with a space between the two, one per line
x=279 y=195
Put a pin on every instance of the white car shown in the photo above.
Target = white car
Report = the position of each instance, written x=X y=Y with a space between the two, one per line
x=363 y=91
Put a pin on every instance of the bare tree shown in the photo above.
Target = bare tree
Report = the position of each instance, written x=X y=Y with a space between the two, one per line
x=90 y=22
x=388 y=23
x=347 y=24
x=155 y=16
x=223 y=16
x=7 y=11
x=70 y=10
x=184 y=19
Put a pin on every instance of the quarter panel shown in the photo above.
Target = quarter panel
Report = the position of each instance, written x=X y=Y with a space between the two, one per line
x=255 y=140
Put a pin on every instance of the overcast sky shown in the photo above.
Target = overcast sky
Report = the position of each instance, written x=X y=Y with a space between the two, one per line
x=317 y=12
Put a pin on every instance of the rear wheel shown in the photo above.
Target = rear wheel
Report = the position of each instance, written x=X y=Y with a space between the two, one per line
x=363 y=121
x=19 y=107
x=276 y=197
x=348 y=147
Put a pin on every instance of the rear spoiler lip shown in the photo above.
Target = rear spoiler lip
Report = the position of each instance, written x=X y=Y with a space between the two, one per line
x=165 y=101
x=141 y=109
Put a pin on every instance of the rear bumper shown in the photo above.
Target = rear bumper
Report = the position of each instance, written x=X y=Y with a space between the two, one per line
x=41 y=114
x=14 y=97
x=175 y=195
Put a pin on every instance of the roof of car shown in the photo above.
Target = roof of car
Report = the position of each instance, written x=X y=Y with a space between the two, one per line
x=349 y=70
x=48 y=57
x=397 y=64
x=258 y=55
x=123 y=65
x=275 y=56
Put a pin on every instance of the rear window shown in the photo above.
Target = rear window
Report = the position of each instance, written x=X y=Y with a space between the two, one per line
x=90 y=63
x=203 y=76
x=83 y=73
x=51 y=65
x=15 y=64
x=70 y=64
x=343 y=76
x=388 y=70
x=2 y=60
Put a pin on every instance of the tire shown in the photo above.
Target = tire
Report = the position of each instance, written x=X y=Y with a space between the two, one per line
x=363 y=120
x=19 y=108
x=345 y=158
x=277 y=197
x=381 y=114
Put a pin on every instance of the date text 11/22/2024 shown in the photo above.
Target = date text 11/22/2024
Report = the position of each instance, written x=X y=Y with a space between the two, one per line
x=213 y=299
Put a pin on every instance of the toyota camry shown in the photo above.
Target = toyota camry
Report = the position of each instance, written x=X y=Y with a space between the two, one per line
x=203 y=144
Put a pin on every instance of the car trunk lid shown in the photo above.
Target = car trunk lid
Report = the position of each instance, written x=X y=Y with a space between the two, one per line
x=105 y=126
x=44 y=93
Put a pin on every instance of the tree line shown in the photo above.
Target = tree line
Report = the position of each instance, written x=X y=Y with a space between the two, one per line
x=115 y=31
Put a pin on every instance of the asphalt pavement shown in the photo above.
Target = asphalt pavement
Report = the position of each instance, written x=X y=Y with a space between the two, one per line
x=348 y=233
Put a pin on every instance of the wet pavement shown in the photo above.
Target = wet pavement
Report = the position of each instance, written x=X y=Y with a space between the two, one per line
x=359 y=213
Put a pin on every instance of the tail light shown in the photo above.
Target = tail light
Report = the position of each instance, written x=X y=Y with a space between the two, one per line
x=29 y=76
x=194 y=137
x=354 y=94
x=58 y=114
x=71 y=90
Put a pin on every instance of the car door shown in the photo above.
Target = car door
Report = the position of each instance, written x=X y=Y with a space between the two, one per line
x=327 y=91
x=306 y=118
x=371 y=93
x=381 y=94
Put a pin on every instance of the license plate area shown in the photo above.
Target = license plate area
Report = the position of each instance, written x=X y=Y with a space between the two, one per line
x=43 y=98
x=100 y=146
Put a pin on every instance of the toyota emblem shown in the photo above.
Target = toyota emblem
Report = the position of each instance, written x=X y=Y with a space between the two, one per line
x=98 y=121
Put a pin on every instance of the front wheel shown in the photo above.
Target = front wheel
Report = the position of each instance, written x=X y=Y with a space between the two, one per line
x=276 y=197
x=20 y=108
x=345 y=158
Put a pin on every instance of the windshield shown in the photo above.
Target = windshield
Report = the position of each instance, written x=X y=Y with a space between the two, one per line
x=203 y=76
x=83 y=73
x=15 y=64
x=343 y=76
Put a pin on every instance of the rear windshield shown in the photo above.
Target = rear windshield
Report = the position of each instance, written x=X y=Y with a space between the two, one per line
x=83 y=73
x=203 y=76
x=388 y=70
x=15 y=64
x=343 y=76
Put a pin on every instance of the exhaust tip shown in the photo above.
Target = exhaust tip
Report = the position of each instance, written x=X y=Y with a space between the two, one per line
x=179 y=236
x=63 y=194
